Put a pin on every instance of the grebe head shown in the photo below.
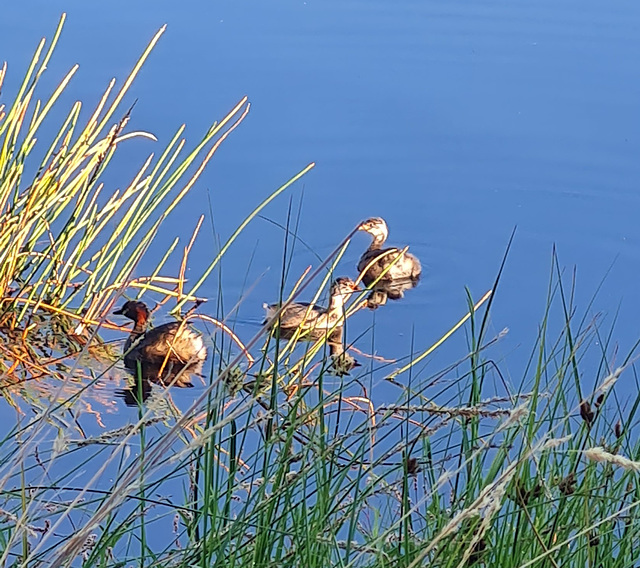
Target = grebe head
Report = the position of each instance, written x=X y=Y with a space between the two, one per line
x=340 y=291
x=136 y=311
x=376 y=227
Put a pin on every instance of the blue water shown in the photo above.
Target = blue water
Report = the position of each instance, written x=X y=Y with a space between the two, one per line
x=456 y=122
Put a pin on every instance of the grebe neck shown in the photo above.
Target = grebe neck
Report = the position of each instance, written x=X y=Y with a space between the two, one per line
x=378 y=241
x=139 y=327
x=337 y=302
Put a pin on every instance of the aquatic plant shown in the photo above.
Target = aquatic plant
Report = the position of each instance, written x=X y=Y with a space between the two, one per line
x=69 y=247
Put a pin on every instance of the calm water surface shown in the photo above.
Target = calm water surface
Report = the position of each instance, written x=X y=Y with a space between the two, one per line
x=455 y=122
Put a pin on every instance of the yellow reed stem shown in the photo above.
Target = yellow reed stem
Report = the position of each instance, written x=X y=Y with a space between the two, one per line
x=441 y=340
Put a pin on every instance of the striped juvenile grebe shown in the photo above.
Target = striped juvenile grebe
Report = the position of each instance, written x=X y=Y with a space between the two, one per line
x=312 y=320
x=407 y=266
x=401 y=274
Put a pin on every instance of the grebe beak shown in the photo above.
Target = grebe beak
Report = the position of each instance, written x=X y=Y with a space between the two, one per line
x=119 y=311
x=353 y=288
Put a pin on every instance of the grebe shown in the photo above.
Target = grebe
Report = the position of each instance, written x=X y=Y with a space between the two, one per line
x=406 y=267
x=312 y=320
x=172 y=342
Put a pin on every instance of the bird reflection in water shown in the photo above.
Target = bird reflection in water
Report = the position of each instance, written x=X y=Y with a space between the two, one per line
x=136 y=393
x=142 y=379
x=389 y=290
x=342 y=363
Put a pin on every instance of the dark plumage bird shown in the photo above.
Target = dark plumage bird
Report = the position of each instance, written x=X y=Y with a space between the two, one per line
x=376 y=259
x=312 y=320
x=173 y=345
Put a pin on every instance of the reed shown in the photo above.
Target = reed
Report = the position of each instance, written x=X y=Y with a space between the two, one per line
x=276 y=461
x=67 y=244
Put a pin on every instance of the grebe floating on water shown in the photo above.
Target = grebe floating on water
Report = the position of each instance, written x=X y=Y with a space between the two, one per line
x=174 y=343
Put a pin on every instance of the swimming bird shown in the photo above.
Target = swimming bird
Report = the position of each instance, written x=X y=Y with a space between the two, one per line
x=168 y=345
x=312 y=320
x=376 y=259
